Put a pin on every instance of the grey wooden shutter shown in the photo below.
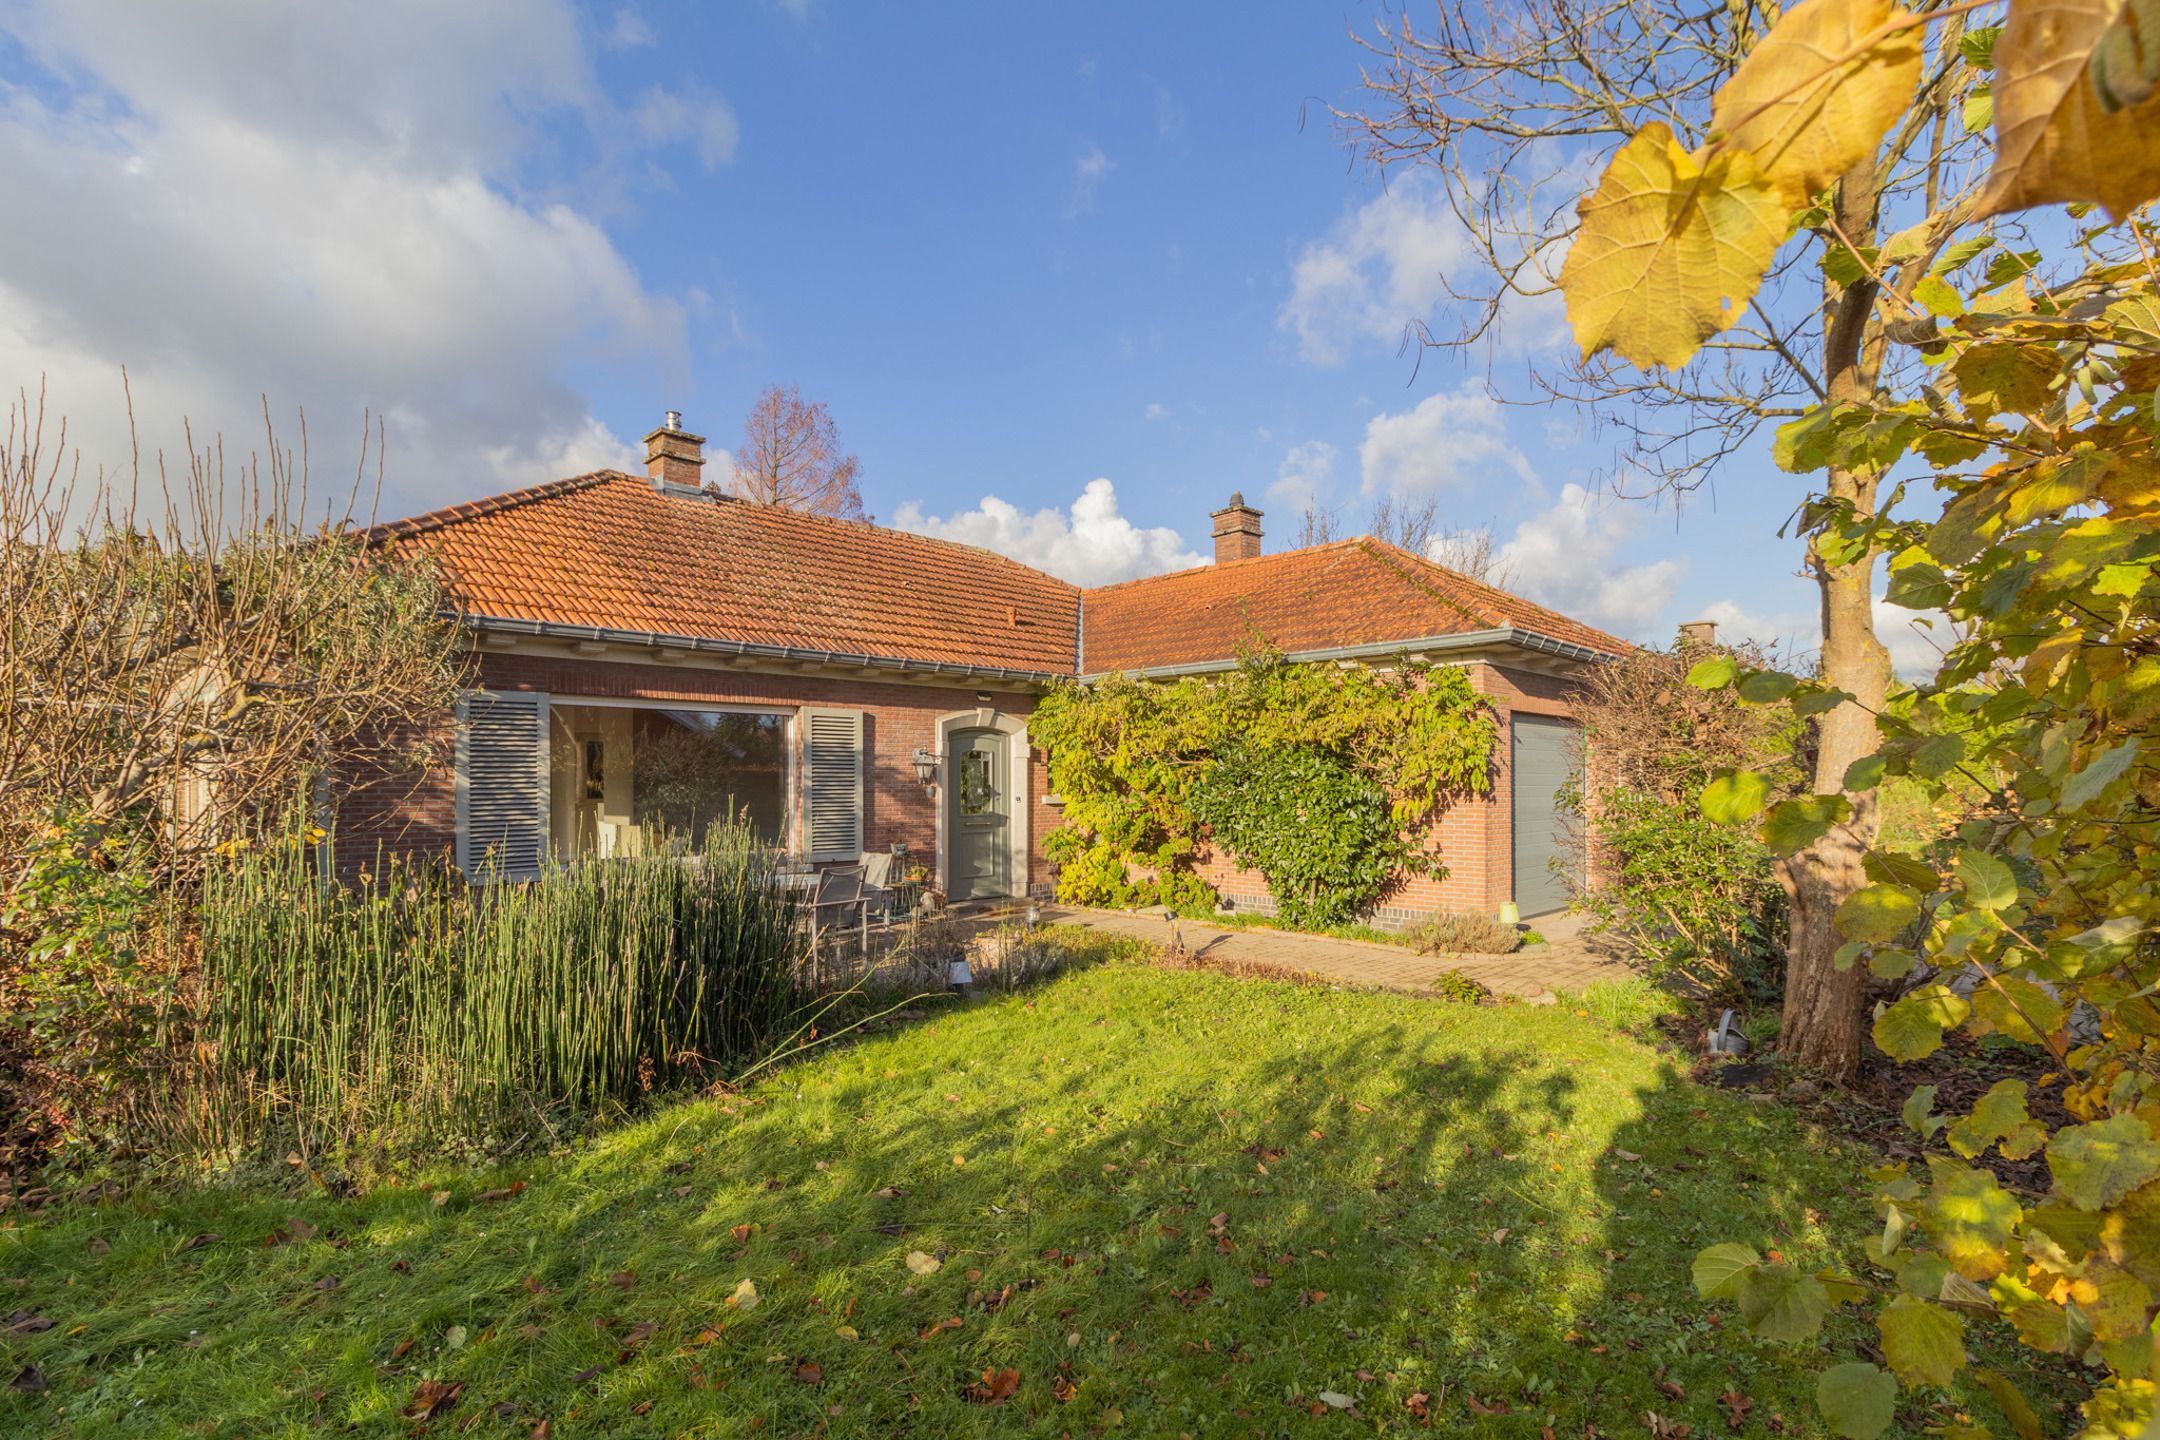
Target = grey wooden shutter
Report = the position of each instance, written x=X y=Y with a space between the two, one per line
x=502 y=783
x=833 y=771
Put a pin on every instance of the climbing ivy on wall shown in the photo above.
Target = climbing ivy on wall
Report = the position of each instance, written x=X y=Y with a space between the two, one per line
x=1318 y=777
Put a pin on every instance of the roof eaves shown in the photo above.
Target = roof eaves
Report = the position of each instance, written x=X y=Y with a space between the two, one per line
x=748 y=649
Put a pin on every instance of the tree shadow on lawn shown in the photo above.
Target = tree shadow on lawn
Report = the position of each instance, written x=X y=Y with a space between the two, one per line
x=1171 y=1202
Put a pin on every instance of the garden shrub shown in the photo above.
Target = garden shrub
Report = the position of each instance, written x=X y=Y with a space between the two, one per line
x=1689 y=897
x=1320 y=833
x=1458 y=933
x=1332 y=775
x=1454 y=985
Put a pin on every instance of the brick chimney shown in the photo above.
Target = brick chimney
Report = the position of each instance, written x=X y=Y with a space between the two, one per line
x=675 y=458
x=1237 y=530
x=1697 y=633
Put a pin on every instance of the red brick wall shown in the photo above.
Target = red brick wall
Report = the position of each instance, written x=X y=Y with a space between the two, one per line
x=897 y=718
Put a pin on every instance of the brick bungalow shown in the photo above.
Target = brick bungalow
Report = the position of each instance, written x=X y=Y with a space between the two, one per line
x=648 y=650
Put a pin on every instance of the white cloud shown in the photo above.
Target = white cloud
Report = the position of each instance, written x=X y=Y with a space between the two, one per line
x=339 y=207
x=630 y=31
x=1453 y=439
x=1916 y=639
x=664 y=116
x=1089 y=171
x=1306 y=473
x=1157 y=411
x=1565 y=557
x=1092 y=544
x=1380 y=269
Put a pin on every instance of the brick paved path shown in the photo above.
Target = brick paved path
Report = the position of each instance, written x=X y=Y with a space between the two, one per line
x=1566 y=962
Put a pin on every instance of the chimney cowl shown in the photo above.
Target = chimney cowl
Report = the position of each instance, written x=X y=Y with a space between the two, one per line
x=674 y=458
x=1237 y=530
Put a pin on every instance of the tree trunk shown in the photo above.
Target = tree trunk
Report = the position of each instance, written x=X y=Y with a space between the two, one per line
x=1825 y=1006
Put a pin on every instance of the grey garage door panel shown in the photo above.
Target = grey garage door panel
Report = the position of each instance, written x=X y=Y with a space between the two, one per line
x=1543 y=760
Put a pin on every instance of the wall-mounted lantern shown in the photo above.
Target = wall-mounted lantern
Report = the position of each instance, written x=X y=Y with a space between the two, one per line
x=926 y=763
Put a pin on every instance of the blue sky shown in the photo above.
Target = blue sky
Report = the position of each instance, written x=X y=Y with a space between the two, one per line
x=1066 y=276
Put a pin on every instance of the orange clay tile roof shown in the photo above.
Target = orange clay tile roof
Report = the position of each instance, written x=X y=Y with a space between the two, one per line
x=610 y=551
x=1350 y=592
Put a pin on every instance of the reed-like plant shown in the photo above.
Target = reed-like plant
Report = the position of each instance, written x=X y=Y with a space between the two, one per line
x=414 y=1009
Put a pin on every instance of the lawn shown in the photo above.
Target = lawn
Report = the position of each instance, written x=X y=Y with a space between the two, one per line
x=1159 y=1202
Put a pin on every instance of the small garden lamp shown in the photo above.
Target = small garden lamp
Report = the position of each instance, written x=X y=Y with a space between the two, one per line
x=925 y=767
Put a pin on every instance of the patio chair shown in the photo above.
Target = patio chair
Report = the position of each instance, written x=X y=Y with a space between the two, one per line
x=838 y=901
x=877 y=870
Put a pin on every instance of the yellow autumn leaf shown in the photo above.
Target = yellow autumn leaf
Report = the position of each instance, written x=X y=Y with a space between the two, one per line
x=1671 y=248
x=1816 y=96
x=2056 y=139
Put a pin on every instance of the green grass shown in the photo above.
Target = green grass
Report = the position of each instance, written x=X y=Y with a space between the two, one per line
x=1413 y=1197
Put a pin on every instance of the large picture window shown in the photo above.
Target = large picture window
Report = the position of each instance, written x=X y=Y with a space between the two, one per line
x=625 y=777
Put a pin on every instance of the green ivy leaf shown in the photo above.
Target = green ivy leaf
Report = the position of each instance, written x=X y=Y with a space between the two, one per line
x=1891 y=963
x=1818 y=700
x=1865 y=773
x=1719 y=1269
x=1912 y=1029
x=1877 y=913
x=1988 y=881
x=2096 y=1165
x=1782 y=1303
x=1925 y=1344
x=1999 y=1116
x=1971 y=1218
x=1790 y=826
x=1894 y=867
x=1765 y=687
x=1918 y=1111
x=1856 y=1399
x=1734 y=796
x=2085 y=785
x=1714 y=673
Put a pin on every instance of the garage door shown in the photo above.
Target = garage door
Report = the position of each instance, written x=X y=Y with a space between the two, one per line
x=1545 y=853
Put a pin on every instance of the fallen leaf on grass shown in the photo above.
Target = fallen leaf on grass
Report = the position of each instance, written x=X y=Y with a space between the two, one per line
x=1618 y=1154
x=542 y=1431
x=99 y=1245
x=1418 y=1403
x=29 y=1379
x=889 y=1192
x=432 y=1398
x=1261 y=1282
x=1063 y=1387
x=292 y=1232
x=1336 y=1400
x=953 y=1323
x=196 y=1242
x=1478 y=1407
x=623 y=1279
x=847 y=1332
x=745 y=1297
x=29 y=1322
x=921 y=1263
x=403 y=1348
x=440 y=1198
x=810 y=1372
x=995 y=1388
x=1736 y=1407
x=1672 y=1389
x=515 y=1187
x=327 y=1283
x=589 y=1374
x=742 y=1232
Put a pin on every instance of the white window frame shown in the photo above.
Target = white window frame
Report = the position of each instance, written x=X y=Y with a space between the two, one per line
x=790 y=717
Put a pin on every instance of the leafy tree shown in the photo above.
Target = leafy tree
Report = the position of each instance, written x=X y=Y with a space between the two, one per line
x=2034 y=921
x=1498 y=105
x=791 y=456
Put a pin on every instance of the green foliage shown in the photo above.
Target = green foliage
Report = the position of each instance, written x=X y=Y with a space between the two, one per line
x=1320 y=778
x=2034 y=732
x=83 y=984
x=1457 y=933
x=413 y=1011
x=1694 y=899
x=1320 y=832
x=1456 y=986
